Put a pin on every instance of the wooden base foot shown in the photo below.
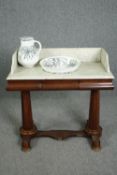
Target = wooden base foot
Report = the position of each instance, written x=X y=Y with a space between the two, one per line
x=26 y=143
x=95 y=137
x=96 y=146
x=26 y=136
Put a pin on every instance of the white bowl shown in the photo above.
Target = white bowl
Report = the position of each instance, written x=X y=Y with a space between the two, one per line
x=59 y=64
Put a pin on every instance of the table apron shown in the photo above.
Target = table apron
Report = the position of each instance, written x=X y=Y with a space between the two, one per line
x=59 y=85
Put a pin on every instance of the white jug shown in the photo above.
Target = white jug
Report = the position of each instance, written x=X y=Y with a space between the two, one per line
x=28 y=53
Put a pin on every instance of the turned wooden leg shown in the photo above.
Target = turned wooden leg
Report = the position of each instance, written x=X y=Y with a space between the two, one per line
x=28 y=129
x=93 y=129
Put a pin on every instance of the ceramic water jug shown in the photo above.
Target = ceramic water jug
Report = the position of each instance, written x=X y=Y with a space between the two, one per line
x=28 y=53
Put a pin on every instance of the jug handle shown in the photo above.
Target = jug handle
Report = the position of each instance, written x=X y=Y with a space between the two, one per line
x=35 y=41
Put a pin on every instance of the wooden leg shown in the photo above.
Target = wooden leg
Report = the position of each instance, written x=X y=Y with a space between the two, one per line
x=93 y=129
x=28 y=129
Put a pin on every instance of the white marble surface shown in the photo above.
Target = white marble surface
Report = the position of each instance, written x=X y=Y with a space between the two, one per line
x=94 y=65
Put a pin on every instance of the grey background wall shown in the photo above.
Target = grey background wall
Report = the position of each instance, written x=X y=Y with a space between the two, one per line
x=57 y=23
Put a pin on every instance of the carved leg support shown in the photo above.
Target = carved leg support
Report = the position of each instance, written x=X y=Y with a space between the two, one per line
x=92 y=128
x=28 y=129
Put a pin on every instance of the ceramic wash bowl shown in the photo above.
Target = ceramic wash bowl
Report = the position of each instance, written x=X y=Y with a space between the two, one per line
x=59 y=64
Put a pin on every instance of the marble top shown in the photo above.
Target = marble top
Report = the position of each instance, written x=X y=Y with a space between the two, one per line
x=94 y=65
